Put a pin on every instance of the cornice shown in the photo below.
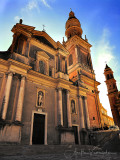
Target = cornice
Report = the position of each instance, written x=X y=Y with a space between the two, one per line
x=89 y=80
x=74 y=67
x=79 y=41
x=4 y=62
x=19 y=64
x=3 y=65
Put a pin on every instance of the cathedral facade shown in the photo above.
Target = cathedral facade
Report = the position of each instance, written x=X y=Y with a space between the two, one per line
x=48 y=90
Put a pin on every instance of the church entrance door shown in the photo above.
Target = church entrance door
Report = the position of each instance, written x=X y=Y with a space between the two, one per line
x=76 y=134
x=38 y=129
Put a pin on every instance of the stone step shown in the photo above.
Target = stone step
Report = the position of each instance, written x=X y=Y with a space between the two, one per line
x=43 y=149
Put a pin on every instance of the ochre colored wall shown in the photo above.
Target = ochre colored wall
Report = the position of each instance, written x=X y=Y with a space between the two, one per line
x=92 y=109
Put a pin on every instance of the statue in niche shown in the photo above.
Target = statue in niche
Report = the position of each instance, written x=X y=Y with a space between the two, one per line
x=73 y=106
x=40 y=99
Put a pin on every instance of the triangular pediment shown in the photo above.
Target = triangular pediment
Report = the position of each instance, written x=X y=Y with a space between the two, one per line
x=42 y=54
x=29 y=31
x=43 y=37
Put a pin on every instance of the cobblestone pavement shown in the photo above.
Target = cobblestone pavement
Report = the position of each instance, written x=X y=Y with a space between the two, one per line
x=110 y=156
x=55 y=153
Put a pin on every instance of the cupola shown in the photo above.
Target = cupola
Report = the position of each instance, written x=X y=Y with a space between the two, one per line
x=73 y=26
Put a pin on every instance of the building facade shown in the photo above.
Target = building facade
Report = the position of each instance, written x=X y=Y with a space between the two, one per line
x=107 y=121
x=48 y=90
x=113 y=94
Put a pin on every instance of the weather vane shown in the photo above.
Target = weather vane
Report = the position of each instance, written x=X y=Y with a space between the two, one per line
x=105 y=62
x=70 y=9
x=43 y=27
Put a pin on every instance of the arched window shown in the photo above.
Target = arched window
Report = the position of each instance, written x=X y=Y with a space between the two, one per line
x=108 y=77
x=111 y=76
x=42 y=67
x=73 y=109
x=70 y=60
x=114 y=85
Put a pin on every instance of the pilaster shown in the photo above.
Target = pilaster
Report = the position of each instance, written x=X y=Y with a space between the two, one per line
x=18 y=116
x=7 y=95
x=87 y=113
x=60 y=111
x=68 y=109
x=81 y=112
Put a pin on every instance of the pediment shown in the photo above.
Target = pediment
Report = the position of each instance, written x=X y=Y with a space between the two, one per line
x=42 y=54
x=44 y=38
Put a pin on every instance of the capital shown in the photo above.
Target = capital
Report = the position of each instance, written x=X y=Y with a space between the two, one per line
x=85 y=98
x=68 y=91
x=23 y=77
x=59 y=89
x=10 y=73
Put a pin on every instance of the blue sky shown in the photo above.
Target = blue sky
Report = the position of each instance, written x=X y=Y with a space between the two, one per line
x=100 y=21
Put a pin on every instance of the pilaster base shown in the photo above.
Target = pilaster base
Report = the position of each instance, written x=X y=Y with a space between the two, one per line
x=66 y=135
x=10 y=133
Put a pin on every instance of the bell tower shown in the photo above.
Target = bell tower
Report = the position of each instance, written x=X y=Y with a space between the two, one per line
x=112 y=93
x=79 y=59
x=110 y=81
x=80 y=67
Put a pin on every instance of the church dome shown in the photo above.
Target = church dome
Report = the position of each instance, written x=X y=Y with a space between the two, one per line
x=71 y=14
x=73 y=26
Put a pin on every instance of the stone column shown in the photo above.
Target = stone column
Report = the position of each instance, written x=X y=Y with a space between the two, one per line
x=60 y=111
x=87 y=113
x=82 y=121
x=18 y=116
x=7 y=94
x=68 y=109
x=28 y=47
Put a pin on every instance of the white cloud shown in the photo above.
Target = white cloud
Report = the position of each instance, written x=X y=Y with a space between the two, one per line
x=33 y=4
x=17 y=18
x=104 y=53
x=45 y=3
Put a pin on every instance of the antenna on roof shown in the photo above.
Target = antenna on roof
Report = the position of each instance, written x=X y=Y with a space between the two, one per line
x=43 y=28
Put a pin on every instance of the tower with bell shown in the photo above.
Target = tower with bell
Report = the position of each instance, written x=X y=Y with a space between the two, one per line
x=113 y=94
x=80 y=68
x=79 y=59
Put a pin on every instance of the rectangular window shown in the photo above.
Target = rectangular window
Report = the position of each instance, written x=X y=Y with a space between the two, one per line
x=50 y=72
